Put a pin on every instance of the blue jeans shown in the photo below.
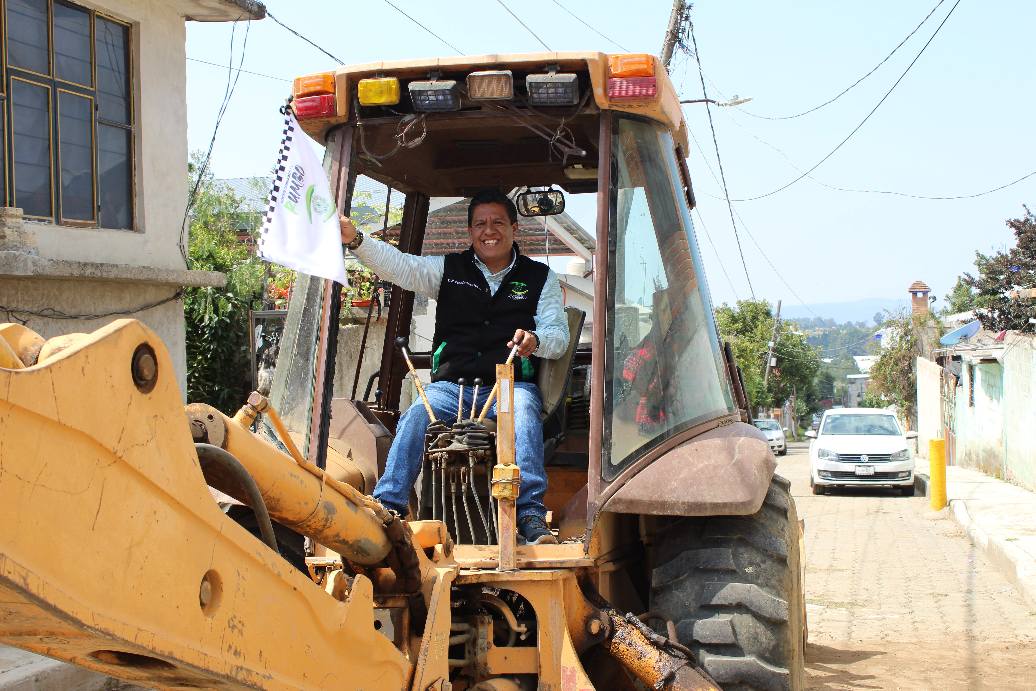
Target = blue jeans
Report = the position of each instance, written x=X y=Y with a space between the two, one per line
x=404 y=458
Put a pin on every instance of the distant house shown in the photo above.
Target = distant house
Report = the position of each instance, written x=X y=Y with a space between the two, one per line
x=94 y=166
x=856 y=389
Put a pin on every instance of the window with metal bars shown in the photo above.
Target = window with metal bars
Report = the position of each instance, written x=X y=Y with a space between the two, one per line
x=68 y=117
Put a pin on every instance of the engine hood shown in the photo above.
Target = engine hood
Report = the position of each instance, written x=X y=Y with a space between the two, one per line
x=861 y=443
x=725 y=471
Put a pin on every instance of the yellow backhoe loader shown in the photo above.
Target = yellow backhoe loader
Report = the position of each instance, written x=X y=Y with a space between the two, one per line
x=678 y=563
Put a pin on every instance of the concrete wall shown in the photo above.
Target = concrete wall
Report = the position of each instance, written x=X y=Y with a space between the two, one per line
x=996 y=414
x=929 y=404
x=76 y=296
x=980 y=419
x=1019 y=402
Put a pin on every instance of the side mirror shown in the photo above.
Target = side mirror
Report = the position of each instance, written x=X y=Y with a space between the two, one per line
x=911 y=435
x=541 y=203
x=811 y=434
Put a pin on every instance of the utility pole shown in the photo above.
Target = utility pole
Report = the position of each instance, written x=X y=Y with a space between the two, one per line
x=672 y=32
x=772 y=343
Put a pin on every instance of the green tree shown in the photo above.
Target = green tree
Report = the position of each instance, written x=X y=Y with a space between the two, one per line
x=217 y=318
x=999 y=273
x=960 y=299
x=748 y=327
x=893 y=377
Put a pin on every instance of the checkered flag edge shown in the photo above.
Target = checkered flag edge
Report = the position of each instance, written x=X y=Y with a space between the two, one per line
x=278 y=178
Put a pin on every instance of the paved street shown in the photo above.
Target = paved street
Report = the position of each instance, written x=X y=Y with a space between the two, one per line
x=898 y=598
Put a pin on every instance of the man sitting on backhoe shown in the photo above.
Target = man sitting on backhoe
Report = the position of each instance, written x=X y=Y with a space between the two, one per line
x=490 y=298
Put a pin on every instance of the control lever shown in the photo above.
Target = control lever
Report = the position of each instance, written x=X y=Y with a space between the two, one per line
x=401 y=344
x=474 y=399
x=460 y=399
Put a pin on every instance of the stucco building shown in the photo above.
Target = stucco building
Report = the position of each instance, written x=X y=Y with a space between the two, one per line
x=93 y=181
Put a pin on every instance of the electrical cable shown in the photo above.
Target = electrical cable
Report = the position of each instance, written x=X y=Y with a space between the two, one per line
x=865 y=119
x=856 y=190
x=854 y=84
x=228 y=92
x=425 y=28
x=501 y=3
x=723 y=268
x=307 y=40
x=580 y=20
x=723 y=177
x=257 y=74
x=17 y=314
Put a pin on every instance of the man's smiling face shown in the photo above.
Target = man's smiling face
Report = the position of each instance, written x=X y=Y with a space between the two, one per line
x=492 y=235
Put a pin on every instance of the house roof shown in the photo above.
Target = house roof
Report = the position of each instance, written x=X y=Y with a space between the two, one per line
x=222 y=10
x=447 y=232
x=919 y=286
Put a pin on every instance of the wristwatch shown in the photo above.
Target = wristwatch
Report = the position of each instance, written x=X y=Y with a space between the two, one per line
x=356 y=241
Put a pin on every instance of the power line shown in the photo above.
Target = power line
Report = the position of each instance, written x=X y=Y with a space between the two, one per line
x=924 y=196
x=237 y=69
x=307 y=40
x=897 y=193
x=773 y=266
x=865 y=119
x=228 y=92
x=580 y=20
x=854 y=84
x=440 y=38
x=722 y=267
x=723 y=177
x=501 y=3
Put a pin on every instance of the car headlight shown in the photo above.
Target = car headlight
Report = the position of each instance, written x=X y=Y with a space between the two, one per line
x=903 y=455
x=827 y=455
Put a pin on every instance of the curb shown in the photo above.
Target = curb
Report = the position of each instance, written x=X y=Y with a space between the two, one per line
x=920 y=484
x=1014 y=564
x=38 y=673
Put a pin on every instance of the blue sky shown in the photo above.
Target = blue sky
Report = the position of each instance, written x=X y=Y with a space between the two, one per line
x=960 y=122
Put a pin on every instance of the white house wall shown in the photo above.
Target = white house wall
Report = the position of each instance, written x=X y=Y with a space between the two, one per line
x=158 y=59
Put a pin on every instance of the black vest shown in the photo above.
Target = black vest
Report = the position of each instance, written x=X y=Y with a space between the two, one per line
x=472 y=327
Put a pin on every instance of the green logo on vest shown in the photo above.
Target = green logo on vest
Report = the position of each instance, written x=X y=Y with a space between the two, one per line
x=518 y=290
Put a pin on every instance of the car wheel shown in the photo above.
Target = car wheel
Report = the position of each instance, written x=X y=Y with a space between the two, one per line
x=783 y=452
x=817 y=489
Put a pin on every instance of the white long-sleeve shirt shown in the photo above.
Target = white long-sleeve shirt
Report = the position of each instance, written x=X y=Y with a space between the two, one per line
x=423 y=275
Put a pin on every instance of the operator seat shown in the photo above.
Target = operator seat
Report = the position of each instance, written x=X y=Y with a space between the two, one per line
x=554 y=376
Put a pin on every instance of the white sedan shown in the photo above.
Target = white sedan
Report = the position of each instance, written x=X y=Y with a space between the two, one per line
x=774 y=435
x=858 y=447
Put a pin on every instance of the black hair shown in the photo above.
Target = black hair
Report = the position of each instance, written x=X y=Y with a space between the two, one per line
x=492 y=196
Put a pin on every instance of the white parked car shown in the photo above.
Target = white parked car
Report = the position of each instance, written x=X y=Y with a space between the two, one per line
x=774 y=434
x=858 y=447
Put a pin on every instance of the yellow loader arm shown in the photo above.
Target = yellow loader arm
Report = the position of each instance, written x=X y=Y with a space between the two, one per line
x=114 y=556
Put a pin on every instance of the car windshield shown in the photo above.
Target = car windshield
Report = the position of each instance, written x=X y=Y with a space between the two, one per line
x=767 y=424
x=861 y=424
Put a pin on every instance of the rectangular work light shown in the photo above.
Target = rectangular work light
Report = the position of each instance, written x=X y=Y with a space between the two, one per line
x=378 y=91
x=435 y=96
x=490 y=85
x=321 y=106
x=553 y=89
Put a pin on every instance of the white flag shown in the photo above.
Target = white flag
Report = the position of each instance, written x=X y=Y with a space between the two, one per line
x=301 y=226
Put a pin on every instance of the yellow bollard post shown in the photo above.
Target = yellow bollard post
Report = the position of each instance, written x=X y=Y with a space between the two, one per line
x=937 y=474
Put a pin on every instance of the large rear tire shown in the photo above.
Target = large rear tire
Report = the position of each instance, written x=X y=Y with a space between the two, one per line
x=733 y=587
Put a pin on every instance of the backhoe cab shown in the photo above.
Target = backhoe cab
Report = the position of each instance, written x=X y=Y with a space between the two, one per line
x=679 y=557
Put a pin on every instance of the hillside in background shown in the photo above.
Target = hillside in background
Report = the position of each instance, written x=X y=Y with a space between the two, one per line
x=841 y=312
